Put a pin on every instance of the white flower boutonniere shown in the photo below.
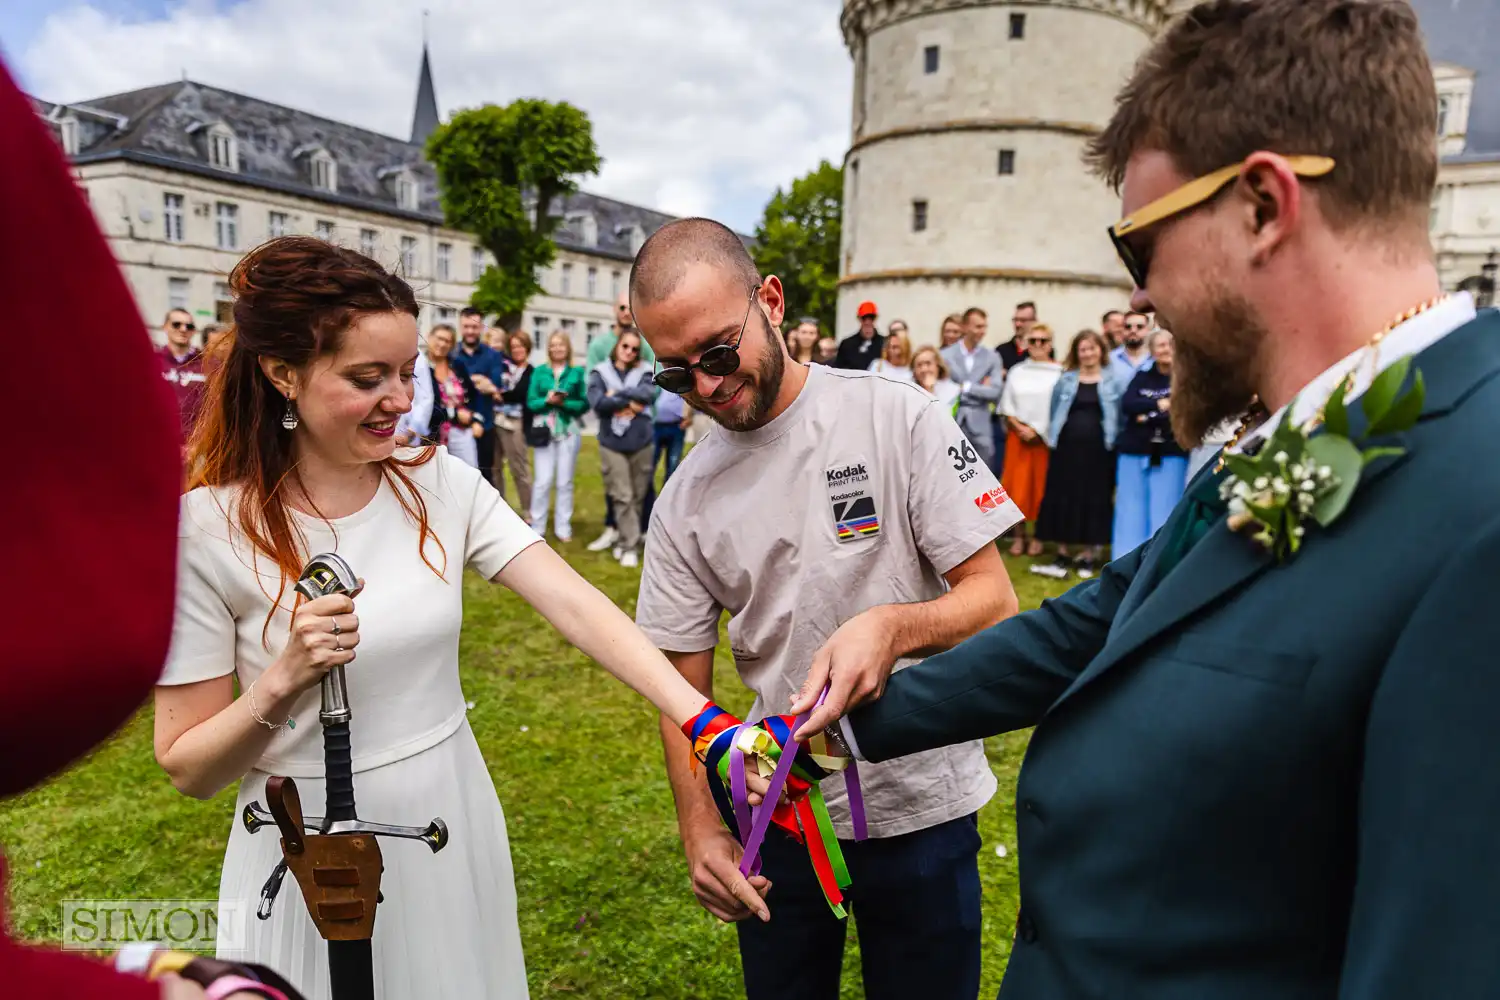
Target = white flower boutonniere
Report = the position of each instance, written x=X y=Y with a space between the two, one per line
x=1299 y=474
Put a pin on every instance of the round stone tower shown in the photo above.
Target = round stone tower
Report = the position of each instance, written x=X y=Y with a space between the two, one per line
x=964 y=184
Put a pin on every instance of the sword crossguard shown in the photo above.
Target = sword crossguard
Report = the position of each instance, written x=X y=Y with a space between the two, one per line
x=434 y=834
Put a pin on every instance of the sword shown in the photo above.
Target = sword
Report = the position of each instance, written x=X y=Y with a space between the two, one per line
x=337 y=866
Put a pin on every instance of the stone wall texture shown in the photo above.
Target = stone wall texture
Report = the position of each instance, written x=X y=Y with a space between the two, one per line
x=990 y=239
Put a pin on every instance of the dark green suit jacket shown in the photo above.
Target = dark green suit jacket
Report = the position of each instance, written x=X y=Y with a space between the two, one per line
x=1259 y=782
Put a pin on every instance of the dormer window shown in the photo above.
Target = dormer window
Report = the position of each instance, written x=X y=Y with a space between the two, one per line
x=634 y=234
x=223 y=148
x=322 y=168
x=585 y=227
x=325 y=171
x=406 y=192
x=402 y=184
x=1455 y=87
x=68 y=131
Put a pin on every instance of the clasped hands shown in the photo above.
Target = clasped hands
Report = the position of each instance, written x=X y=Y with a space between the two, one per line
x=854 y=664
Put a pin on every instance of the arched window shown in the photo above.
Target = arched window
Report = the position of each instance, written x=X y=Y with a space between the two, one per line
x=325 y=171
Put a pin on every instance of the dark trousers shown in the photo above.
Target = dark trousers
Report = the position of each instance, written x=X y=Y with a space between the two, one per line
x=915 y=905
x=669 y=441
x=999 y=428
x=487 y=442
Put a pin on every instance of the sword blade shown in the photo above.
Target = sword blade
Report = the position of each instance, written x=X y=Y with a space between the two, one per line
x=351 y=970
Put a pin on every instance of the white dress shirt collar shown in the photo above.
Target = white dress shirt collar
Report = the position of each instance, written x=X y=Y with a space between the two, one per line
x=1412 y=337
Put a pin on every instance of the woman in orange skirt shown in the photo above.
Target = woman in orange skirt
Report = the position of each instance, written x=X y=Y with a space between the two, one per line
x=1026 y=404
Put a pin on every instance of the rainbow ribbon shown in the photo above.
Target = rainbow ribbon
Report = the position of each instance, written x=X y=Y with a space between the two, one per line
x=715 y=733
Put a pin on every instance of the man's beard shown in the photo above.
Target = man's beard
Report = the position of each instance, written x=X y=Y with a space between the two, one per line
x=1215 y=367
x=763 y=389
x=1134 y=343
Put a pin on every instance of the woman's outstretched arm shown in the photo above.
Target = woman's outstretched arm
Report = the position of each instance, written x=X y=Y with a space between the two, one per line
x=591 y=622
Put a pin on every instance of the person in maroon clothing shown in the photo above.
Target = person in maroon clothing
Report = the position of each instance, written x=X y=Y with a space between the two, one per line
x=182 y=367
x=99 y=535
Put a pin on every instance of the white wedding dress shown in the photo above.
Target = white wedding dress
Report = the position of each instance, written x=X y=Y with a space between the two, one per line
x=447 y=928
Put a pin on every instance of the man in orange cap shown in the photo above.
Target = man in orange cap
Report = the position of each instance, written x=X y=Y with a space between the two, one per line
x=859 y=350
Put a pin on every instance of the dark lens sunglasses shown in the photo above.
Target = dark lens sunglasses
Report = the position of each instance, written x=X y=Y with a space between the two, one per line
x=718 y=361
x=178 y=324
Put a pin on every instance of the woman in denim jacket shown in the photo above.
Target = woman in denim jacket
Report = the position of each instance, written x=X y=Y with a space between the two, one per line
x=1078 y=506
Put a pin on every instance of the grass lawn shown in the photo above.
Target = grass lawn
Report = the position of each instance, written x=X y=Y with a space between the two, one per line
x=606 y=910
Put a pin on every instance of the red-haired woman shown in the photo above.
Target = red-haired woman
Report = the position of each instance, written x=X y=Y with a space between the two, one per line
x=296 y=455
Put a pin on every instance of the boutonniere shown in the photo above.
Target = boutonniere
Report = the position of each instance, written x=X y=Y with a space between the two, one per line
x=1299 y=474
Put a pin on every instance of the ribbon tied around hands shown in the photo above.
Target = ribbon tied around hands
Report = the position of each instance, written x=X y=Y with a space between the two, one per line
x=727 y=746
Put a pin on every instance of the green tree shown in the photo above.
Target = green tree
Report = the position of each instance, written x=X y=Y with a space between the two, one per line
x=499 y=171
x=798 y=241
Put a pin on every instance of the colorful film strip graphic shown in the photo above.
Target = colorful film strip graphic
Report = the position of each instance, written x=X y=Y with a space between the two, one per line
x=859 y=526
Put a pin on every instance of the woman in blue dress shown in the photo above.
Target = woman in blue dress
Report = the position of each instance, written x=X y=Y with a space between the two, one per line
x=1151 y=467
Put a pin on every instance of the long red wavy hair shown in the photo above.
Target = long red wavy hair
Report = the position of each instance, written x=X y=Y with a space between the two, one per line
x=295 y=297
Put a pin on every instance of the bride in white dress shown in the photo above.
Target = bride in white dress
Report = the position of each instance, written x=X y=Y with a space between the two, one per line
x=296 y=454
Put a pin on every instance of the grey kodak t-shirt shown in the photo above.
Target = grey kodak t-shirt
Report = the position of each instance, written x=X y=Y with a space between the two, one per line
x=863 y=492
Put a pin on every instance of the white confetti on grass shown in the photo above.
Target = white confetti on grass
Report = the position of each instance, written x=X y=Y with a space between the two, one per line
x=999 y=850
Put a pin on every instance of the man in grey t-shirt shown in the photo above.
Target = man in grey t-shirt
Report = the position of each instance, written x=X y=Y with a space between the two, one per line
x=843 y=520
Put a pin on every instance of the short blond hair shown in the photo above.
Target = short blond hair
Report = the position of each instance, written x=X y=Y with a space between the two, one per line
x=937 y=356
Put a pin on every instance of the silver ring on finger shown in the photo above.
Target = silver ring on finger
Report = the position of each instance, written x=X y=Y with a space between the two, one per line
x=336 y=628
x=338 y=647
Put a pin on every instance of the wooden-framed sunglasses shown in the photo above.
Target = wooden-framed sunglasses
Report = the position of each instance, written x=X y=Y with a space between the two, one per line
x=1196 y=192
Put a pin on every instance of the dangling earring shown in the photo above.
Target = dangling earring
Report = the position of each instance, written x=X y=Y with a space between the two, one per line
x=289 y=418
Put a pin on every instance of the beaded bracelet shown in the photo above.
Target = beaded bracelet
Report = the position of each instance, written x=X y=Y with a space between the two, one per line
x=290 y=722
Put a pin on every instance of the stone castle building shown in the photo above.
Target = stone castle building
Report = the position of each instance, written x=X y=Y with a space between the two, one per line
x=964 y=182
x=185 y=178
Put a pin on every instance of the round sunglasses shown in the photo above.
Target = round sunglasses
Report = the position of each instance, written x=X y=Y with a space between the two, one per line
x=718 y=361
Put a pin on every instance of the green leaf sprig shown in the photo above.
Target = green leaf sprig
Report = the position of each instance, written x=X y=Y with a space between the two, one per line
x=1312 y=471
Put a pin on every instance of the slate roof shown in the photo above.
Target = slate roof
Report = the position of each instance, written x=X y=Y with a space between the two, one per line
x=1467 y=33
x=167 y=126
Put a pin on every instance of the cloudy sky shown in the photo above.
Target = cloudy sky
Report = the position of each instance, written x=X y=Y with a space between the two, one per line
x=699 y=106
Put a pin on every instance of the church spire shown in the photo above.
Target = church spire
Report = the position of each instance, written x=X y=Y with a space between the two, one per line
x=424 y=121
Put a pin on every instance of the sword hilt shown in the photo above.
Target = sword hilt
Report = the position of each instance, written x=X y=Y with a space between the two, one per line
x=340 y=777
x=328 y=574
x=346 y=923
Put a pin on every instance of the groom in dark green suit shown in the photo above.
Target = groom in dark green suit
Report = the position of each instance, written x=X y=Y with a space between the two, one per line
x=1252 y=777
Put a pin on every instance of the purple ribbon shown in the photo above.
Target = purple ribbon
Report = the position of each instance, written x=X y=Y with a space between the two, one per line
x=738 y=797
x=759 y=820
x=762 y=816
x=856 y=801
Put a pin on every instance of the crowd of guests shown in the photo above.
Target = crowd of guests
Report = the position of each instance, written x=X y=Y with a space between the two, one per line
x=501 y=403
x=1084 y=445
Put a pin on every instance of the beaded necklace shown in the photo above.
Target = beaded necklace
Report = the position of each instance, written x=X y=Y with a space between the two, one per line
x=1256 y=413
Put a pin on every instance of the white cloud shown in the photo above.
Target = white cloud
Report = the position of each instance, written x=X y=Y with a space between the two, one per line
x=697 y=106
